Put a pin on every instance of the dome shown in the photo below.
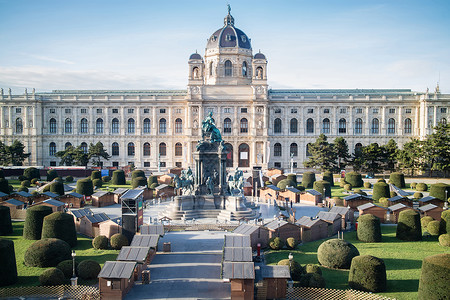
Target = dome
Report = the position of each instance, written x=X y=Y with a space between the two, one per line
x=259 y=56
x=195 y=56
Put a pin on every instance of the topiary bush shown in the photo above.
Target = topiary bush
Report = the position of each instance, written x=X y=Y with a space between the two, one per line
x=138 y=181
x=5 y=220
x=418 y=195
x=96 y=175
x=88 y=269
x=32 y=229
x=22 y=178
x=328 y=176
x=424 y=221
x=383 y=201
x=336 y=254
x=338 y=201
x=118 y=240
x=295 y=268
x=118 y=177
x=300 y=187
x=2 y=174
x=137 y=173
x=51 y=174
x=381 y=180
x=312 y=280
x=23 y=189
x=153 y=186
x=97 y=183
x=66 y=266
x=310 y=268
x=308 y=179
x=439 y=190
x=397 y=179
x=8 y=275
x=348 y=187
x=444 y=240
x=100 y=242
x=342 y=182
x=34 y=181
x=57 y=188
x=291 y=243
x=421 y=187
x=433 y=227
x=154 y=179
x=413 y=185
x=367 y=185
x=4 y=186
x=358 y=191
x=106 y=179
x=26 y=183
x=367 y=273
x=60 y=225
x=292 y=177
x=69 y=178
x=434 y=277
x=52 y=276
x=369 y=229
x=322 y=187
x=380 y=189
x=444 y=224
x=85 y=187
x=354 y=178
x=276 y=243
x=408 y=227
x=47 y=253
x=31 y=173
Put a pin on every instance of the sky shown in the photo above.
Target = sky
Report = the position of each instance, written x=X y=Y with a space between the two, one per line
x=145 y=44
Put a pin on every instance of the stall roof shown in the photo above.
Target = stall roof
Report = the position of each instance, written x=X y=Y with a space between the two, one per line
x=273 y=187
x=76 y=195
x=54 y=202
x=131 y=194
x=3 y=194
x=356 y=197
x=427 y=198
x=328 y=216
x=314 y=192
x=50 y=194
x=397 y=206
x=399 y=191
x=97 y=218
x=117 y=269
x=129 y=253
x=79 y=213
x=153 y=229
x=275 y=272
x=246 y=229
x=120 y=190
x=340 y=210
x=275 y=224
x=237 y=241
x=307 y=221
x=427 y=207
x=238 y=270
x=14 y=202
x=161 y=186
x=365 y=206
x=100 y=194
x=68 y=188
x=237 y=254
x=293 y=189
x=23 y=194
x=145 y=240
x=396 y=198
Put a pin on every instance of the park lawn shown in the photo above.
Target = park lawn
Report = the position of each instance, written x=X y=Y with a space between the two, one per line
x=29 y=276
x=337 y=191
x=403 y=261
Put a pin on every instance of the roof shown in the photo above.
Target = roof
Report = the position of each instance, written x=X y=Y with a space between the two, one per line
x=54 y=202
x=356 y=197
x=68 y=188
x=275 y=224
x=307 y=221
x=396 y=198
x=342 y=210
x=238 y=270
x=3 y=194
x=259 y=56
x=161 y=186
x=397 y=206
x=427 y=207
x=293 y=189
x=314 y=192
x=50 y=194
x=129 y=253
x=237 y=254
x=427 y=198
x=153 y=229
x=237 y=241
x=345 y=92
x=273 y=187
x=97 y=218
x=120 y=190
x=23 y=194
x=117 y=269
x=79 y=213
x=145 y=240
x=195 y=56
x=14 y=202
x=131 y=194
x=246 y=229
x=399 y=191
x=100 y=194
x=275 y=272
x=328 y=216
x=365 y=206
x=76 y=195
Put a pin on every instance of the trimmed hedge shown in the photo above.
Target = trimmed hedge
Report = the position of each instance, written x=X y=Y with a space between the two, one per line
x=421 y=187
x=418 y=195
x=34 y=180
x=295 y=268
x=97 y=183
x=118 y=177
x=2 y=174
x=276 y=243
x=69 y=178
x=397 y=179
x=434 y=277
x=300 y=187
x=328 y=176
x=347 y=187
x=444 y=224
x=118 y=240
x=342 y=182
x=154 y=179
x=438 y=190
x=47 y=253
x=85 y=187
x=88 y=269
x=66 y=266
x=96 y=175
x=380 y=189
x=106 y=179
x=100 y=242
x=291 y=243
x=336 y=254
x=4 y=186
x=23 y=189
x=367 y=273
x=292 y=177
x=367 y=185
x=408 y=227
x=424 y=221
x=5 y=220
x=433 y=227
x=51 y=174
x=26 y=183
x=355 y=179
x=338 y=201
x=369 y=229
x=137 y=173
x=57 y=188
x=32 y=229
x=322 y=187
x=381 y=180
x=308 y=179
x=310 y=268
x=31 y=173
x=444 y=240
x=312 y=280
x=22 y=178
x=60 y=225
x=52 y=276
x=359 y=191
x=138 y=181
x=8 y=275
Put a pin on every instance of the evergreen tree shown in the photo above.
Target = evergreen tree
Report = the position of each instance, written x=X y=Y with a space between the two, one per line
x=342 y=155
x=66 y=156
x=438 y=149
x=322 y=155
x=390 y=152
x=373 y=158
x=14 y=154
x=412 y=157
x=97 y=152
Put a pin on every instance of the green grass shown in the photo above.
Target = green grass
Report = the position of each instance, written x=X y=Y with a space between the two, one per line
x=29 y=276
x=337 y=191
x=403 y=261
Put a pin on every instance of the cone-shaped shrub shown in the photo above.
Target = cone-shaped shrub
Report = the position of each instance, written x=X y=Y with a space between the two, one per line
x=310 y=268
x=66 y=266
x=96 y=175
x=85 y=187
x=434 y=278
x=444 y=224
x=154 y=179
x=397 y=179
x=31 y=173
x=424 y=222
x=57 y=188
x=51 y=174
x=61 y=226
x=367 y=273
x=292 y=177
x=100 y=242
x=138 y=181
x=380 y=189
x=444 y=240
x=32 y=229
x=438 y=190
x=369 y=229
x=5 y=221
x=47 y=253
x=137 y=173
x=408 y=227
x=421 y=187
x=4 y=186
x=106 y=179
x=295 y=268
x=381 y=180
x=328 y=176
x=88 y=269
x=354 y=178
x=322 y=187
x=52 y=276
x=433 y=227
x=336 y=254
x=308 y=179
x=8 y=275
x=118 y=240
x=118 y=177
x=285 y=183
x=98 y=183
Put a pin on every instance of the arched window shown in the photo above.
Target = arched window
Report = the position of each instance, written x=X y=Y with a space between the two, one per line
x=146 y=149
x=342 y=126
x=84 y=147
x=147 y=125
x=227 y=125
x=68 y=126
x=358 y=126
x=178 y=149
x=115 y=149
x=310 y=126
x=408 y=126
x=277 y=149
x=130 y=149
x=307 y=149
x=391 y=126
x=131 y=128
x=228 y=68
x=99 y=125
x=19 y=126
x=67 y=145
x=162 y=126
x=375 y=126
x=326 y=126
x=229 y=162
x=52 y=149
x=115 y=126
x=30 y=123
x=52 y=127
x=162 y=149
x=195 y=73
x=443 y=121
x=358 y=148
x=277 y=125
x=244 y=125
x=293 y=149
x=259 y=73
x=84 y=126
x=244 y=156
x=211 y=65
x=178 y=126
x=244 y=69
x=293 y=128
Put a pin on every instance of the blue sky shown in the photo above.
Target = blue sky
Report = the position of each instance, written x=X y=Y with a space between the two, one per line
x=110 y=44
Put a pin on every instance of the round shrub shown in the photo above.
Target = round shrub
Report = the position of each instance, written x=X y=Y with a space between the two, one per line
x=100 y=242
x=85 y=187
x=408 y=227
x=31 y=173
x=354 y=178
x=310 y=268
x=418 y=195
x=47 y=253
x=106 y=179
x=328 y=176
x=367 y=273
x=291 y=243
x=336 y=254
x=433 y=227
x=438 y=190
x=138 y=181
x=322 y=187
x=397 y=179
x=32 y=229
x=96 y=175
x=26 y=183
x=22 y=178
x=97 y=183
x=51 y=174
x=295 y=268
x=308 y=179
x=153 y=186
x=137 y=173
x=338 y=201
x=392 y=194
x=57 y=188
x=421 y=187
x=348 y=187
x=358 y=191
x=292 y=177
x=52 y=276
x=444 y=240
x=4 y=186
x=312 y=280
x=413 y=185
x=282 y=184
x=276 y=243
x=23 y=189
x=59 y=179
x=300 y=187
x=118 y=177
x=434 y=277
x=34 y=181
x=369 y=229
x=444 y=224
x=118 y=240
x=380 y=189
x=88 y=269
x=367 y=185
x=69 y=178
x=342 y=182
x=425 y=221
x=66 y=266
x=381 y=180
x=154 y=179
x=60 y=225
x=383 y=201
x=8 y=275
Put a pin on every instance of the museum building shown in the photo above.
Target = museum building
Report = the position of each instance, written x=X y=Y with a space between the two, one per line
x=260 y=126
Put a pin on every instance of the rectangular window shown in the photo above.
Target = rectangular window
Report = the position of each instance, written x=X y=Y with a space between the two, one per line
x=131 y=110
x=146 y=110
x=443 y=110
x=178 y=110
x=99 y=110
x=227 y=110
x=294 y=164
x=392 y=110
x=278 y=110
x=326 y=111
x=342 y=110
x=178 y=164
x=53 y=164
x=408 y=110
x=83 y=110
x=52 y=110
x=277 y=165
x=67 y=110
x=359 y=110
x=162 y=164
x=293 y=110
x=146 y=164
x=310 y=110
x=162 y=110
x=243 y=110
x=375 y=111
x=115 y=163
x=115 y=111
x=18 y=110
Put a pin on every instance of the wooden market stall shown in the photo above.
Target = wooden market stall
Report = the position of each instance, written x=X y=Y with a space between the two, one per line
x=74 y=200
x=395 y=211
x=242 y=278
x=333 y=219
x=258 y=234
x=311 y=197
x=376 y=210
x=102 y=198
x=116 y=279
x=89 y=224
x=140 y=255
x=346 y=214
x=312 y=229
x=152 y=229
x=431 y=210
x=275 y=279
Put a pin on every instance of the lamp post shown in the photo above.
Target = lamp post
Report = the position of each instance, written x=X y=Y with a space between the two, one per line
x=278 y=221
x=74 y=278
x=290 y=283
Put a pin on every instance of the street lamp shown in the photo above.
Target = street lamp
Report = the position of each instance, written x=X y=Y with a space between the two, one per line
x=291 y=282
x=74 y=278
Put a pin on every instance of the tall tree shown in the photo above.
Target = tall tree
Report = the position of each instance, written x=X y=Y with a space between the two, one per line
x=437 y=147
x=413 y=156
x=96 y=153
x=14 y=154
x=322 y=155
x=390 y=152
x=341 y=150
x=3 y=154
x=67 y=156
x=373 y=158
